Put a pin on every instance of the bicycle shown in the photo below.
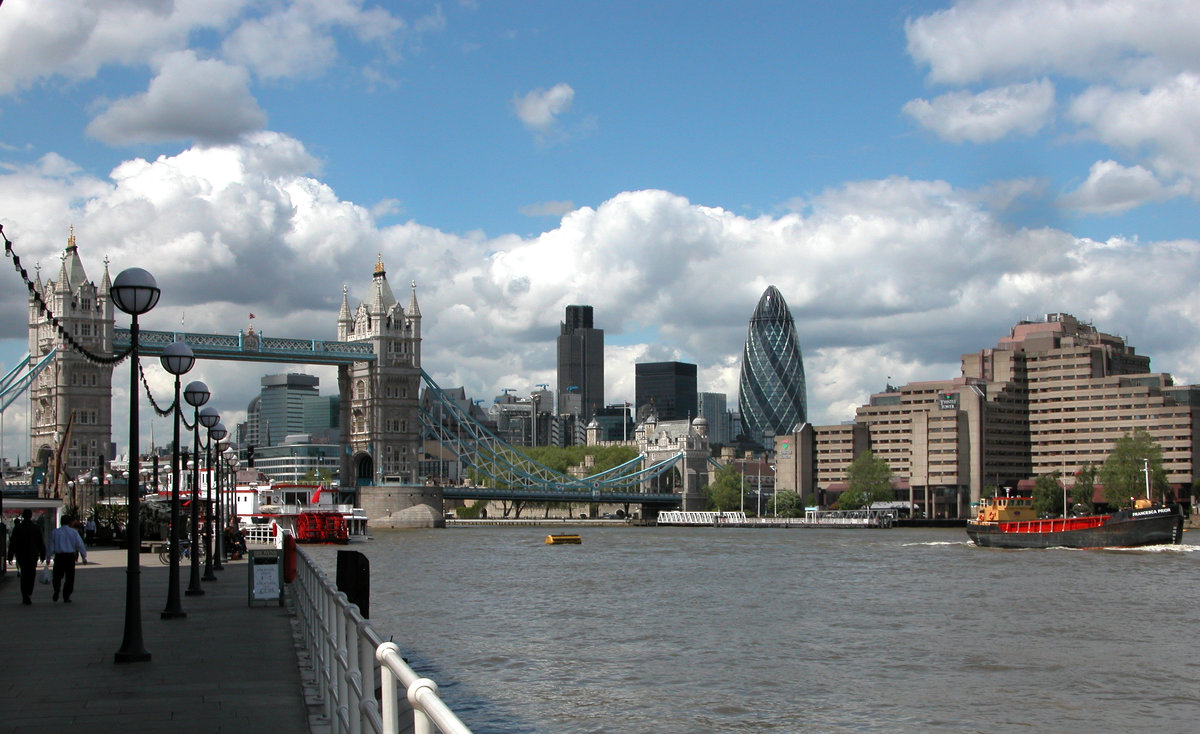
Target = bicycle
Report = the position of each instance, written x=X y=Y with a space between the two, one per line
x=185 y=552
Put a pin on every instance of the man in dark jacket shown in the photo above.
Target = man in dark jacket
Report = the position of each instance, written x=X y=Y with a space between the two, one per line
x=29 y=549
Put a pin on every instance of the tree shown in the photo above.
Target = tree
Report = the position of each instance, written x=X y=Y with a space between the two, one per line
x=787 y=503
x=1124 y=471
x=725 y=492
x=1048 y=494
x=1085 y=487
x=870 y=481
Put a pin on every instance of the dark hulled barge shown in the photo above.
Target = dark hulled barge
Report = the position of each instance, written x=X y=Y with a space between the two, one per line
x=1010 y=522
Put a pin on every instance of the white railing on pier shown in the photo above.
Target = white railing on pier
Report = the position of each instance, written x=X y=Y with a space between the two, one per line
x=682 y=517
x=351 y=661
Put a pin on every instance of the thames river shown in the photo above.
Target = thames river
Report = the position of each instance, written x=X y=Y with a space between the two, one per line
x=686 y=630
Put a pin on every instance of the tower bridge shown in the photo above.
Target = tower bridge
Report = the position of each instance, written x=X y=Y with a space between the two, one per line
x=377 y=354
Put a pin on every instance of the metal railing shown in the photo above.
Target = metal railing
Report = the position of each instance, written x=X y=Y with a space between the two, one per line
x=350 y=660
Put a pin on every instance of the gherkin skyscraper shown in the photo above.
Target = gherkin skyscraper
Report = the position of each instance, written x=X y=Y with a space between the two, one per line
x=771 y=393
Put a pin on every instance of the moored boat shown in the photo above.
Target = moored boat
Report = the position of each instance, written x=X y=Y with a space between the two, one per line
x=1010 y=522
x=306 y=511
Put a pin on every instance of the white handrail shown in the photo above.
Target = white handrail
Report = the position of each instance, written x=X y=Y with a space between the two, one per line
x=350 y=661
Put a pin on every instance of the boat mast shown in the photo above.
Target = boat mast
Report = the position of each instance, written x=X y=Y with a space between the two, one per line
x=1147 y=465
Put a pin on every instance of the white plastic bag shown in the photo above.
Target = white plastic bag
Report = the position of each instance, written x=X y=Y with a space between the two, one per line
x=44 y=575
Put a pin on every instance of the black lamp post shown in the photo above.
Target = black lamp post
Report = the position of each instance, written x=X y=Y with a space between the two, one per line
x=210 y=419
x=177 y=358
x=231 y=458
x=218 y=432
x=135 y=292
x=196 y=394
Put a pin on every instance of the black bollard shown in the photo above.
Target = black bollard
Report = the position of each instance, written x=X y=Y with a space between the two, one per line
x=354 y=580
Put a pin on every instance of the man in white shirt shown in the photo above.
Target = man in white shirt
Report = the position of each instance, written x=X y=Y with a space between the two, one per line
x=64 y=544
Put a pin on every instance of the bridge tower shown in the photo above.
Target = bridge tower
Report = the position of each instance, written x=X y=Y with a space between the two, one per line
x=379 y=406
x=71 y=400
x=660 y=441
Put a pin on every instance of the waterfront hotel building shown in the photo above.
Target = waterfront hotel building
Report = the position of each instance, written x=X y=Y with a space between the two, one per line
x=1055 y=394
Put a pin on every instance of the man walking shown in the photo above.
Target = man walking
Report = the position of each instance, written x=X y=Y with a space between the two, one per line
x=29 y=549
x=64 y=544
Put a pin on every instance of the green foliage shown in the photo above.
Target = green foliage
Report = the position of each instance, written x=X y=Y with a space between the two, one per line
x=725 y=492
x=870 y=481
x=1123 y=473
x=317 y=476
x=561 y=459
x=1083 y=489
x=1048 y=494
x=787 y=503
x=470 y=512
x=989 y=491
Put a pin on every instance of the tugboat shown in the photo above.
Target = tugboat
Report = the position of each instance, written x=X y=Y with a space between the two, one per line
x=1010 y=522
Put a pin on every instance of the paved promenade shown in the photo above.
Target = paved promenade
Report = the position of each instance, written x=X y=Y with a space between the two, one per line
x=226 y=667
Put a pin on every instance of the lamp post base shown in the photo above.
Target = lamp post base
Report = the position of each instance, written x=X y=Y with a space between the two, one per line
x=140 y=656
x=194 y=592
x=172 y=615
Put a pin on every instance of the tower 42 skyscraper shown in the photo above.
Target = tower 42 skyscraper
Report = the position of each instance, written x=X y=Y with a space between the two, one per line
x=771 y=393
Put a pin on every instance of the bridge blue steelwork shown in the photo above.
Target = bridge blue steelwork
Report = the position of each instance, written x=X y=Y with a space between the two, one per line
x=523 y=478
x=250 y=347
x=13 y=384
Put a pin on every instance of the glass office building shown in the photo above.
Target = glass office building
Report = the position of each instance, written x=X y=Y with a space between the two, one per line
x=771 y=393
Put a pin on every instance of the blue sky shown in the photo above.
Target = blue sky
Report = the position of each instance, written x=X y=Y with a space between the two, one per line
x=914 y=177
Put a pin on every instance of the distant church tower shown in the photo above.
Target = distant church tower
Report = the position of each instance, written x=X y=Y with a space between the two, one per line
x=71 y=400
x=380 y=423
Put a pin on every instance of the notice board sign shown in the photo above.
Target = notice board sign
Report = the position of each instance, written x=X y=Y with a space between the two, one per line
x=265 y=577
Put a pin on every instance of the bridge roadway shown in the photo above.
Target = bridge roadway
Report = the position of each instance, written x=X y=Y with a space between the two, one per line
x=226 y=667
x=250 y=348
x=534 y=494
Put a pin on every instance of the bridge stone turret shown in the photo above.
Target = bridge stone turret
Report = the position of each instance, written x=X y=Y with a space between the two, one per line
x=379 y=418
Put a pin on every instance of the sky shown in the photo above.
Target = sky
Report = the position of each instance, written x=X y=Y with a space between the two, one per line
x=914 y=177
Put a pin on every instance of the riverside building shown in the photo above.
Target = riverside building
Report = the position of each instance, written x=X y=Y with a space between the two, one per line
x=1054 y=395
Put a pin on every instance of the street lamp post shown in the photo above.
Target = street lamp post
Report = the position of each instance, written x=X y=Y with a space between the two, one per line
x=210 y=419
x=135 y=292
x=177 y=358
x=231 y=459
x=195 y=394
x=218 y=433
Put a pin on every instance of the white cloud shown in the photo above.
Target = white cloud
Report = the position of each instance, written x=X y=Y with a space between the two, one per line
x=1160 y=122
x=190 y=99
x=75 y=38
x=986 y=116
x=539 y=109
x=1112 y=188
x=889 y=277
x=977 y=40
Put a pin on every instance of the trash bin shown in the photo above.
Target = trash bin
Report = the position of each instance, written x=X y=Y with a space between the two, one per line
x=264 y=577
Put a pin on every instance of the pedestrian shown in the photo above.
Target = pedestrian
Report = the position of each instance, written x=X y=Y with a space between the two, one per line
x=28 y=549
x=65 y=542
x=89 y=532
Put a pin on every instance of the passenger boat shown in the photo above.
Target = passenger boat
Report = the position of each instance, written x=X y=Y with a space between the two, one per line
x=1010 y=522
x=564 y=539
x=306 y=511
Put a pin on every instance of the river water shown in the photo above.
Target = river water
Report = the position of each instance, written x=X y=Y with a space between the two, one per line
x=685 y=630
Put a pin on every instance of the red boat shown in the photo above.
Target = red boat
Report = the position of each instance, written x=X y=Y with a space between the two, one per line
x=1010 y=522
